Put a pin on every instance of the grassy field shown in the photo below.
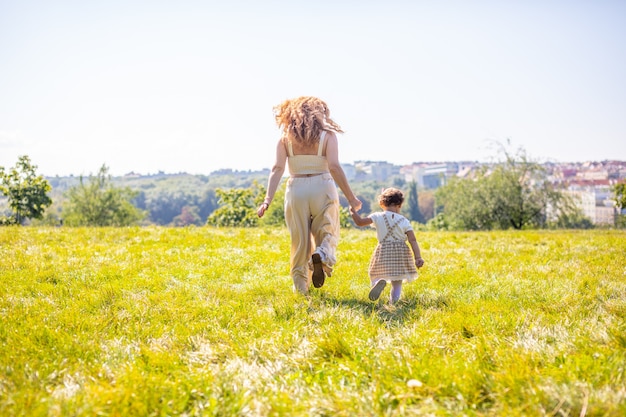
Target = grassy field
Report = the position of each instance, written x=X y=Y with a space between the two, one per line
x=202 y=321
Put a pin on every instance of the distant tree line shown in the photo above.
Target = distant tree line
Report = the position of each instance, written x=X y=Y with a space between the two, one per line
x=511 y=194
x=177 y=208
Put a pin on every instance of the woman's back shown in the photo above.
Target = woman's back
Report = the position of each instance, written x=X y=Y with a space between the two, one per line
x=306 y=159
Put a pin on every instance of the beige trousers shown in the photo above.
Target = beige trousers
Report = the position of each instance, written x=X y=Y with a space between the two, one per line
x=312 y=217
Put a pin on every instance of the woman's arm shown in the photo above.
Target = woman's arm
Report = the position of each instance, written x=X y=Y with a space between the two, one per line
x=274 y=178
x=332 y=156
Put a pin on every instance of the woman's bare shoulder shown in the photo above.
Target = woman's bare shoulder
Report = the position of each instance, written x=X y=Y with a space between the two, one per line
x=331 y=135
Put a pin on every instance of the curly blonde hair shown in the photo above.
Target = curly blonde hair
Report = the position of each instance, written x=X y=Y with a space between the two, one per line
x=303 y=119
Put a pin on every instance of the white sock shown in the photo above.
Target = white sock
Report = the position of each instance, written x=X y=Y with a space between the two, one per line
x=396 y=289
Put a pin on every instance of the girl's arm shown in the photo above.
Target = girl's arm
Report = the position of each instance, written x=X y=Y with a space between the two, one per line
x=332 y=156
x=274 y=178
x=358 y=220
x=419 y=262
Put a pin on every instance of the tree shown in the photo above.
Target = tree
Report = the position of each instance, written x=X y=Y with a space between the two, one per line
x=464 y=204
x=26 y=191
x=166 y=205
x=188 y=216
x=413 y=207
x=510 y=194
x=427 y=204
x=237 y=207
x=207 y=203
x=574 y=219
x=345 y=218
x=275 y=214
x=99 y=203
x=619 y=196
x=517 y=194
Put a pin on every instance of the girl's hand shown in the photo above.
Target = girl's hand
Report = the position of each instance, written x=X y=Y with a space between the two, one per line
x=419 y=262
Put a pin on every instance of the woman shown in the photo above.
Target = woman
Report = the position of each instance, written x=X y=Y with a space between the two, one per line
x=308 y=146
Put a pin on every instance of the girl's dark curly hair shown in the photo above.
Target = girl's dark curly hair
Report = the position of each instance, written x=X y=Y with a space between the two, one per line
x=391 y=197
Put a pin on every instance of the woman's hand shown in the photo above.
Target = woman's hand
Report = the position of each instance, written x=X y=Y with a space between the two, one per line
x=355 y=204
x=262 y=209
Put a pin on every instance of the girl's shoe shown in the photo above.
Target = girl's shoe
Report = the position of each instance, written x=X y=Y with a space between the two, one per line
x=318 y=270
x=377 y=289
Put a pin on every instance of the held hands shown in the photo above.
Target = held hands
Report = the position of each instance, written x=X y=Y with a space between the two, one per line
x=355 y=205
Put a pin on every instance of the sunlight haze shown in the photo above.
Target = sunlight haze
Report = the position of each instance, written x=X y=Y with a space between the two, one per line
x=189 y=86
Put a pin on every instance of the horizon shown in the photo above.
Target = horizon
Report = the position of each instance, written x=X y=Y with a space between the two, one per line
x=225 y=168
x=235 y=171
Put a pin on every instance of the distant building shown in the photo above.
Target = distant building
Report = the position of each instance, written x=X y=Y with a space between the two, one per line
x=595 y=202
x=465 y=171
x=375 y=170
x=593 y=174
x=605 y=216
x=430 y=175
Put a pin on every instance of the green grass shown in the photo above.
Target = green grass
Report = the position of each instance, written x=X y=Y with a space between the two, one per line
x=202 y=321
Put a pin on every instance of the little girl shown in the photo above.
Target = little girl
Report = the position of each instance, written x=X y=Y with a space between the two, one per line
x=392 y=259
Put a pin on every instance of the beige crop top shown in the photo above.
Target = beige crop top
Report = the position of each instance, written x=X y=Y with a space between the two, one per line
x=307 y=164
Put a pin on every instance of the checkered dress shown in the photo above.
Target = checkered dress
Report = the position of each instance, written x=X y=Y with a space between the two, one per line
x=392 y=259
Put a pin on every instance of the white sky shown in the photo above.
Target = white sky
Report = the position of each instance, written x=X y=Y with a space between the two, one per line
x=189 y=86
